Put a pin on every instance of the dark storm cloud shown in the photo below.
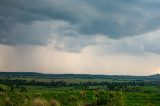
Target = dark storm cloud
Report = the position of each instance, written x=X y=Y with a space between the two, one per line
x=125 y=17
x=17 y=19
x=33 y=21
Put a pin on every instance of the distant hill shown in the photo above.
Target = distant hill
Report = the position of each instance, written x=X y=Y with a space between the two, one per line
x=155 y=76
x=85 y=76
x=11 y=74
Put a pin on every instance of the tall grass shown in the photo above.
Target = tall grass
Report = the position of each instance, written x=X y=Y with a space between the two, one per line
x=7 y=102
x=54 y=102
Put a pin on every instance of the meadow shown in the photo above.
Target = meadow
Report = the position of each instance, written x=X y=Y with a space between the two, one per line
x=78 y=90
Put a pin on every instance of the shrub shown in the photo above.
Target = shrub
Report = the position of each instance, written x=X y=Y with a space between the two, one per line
x=8 y=102
x=54 y=102
x=39 y=102
x=23 y=89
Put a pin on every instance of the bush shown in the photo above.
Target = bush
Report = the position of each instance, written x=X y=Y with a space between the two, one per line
x=23 y=89
x=8 y=102
x=54 y=102
x=39 y=102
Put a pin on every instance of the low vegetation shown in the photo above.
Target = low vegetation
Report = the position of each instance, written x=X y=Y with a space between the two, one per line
x=22 y=90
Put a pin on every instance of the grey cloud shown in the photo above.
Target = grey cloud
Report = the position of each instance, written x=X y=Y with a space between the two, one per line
x=125 y=18
x=34 y=21
x=137 y=45
x=72 y=44
x=60 y=35
x=18 y=18
x=37 y=33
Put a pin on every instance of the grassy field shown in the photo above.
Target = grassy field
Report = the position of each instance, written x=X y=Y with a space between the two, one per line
x=68 y=97
x=38 y=91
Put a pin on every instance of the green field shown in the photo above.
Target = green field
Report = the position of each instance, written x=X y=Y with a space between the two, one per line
x=46 y=91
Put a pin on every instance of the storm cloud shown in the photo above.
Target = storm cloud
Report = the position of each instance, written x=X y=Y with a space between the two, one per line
x=38 y=22
x=80 y=36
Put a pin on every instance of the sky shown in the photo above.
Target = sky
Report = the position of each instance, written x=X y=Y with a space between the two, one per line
x=112 y=37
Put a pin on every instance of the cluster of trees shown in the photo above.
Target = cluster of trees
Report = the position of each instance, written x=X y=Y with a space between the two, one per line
x=128 y=86
x=87 y=83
